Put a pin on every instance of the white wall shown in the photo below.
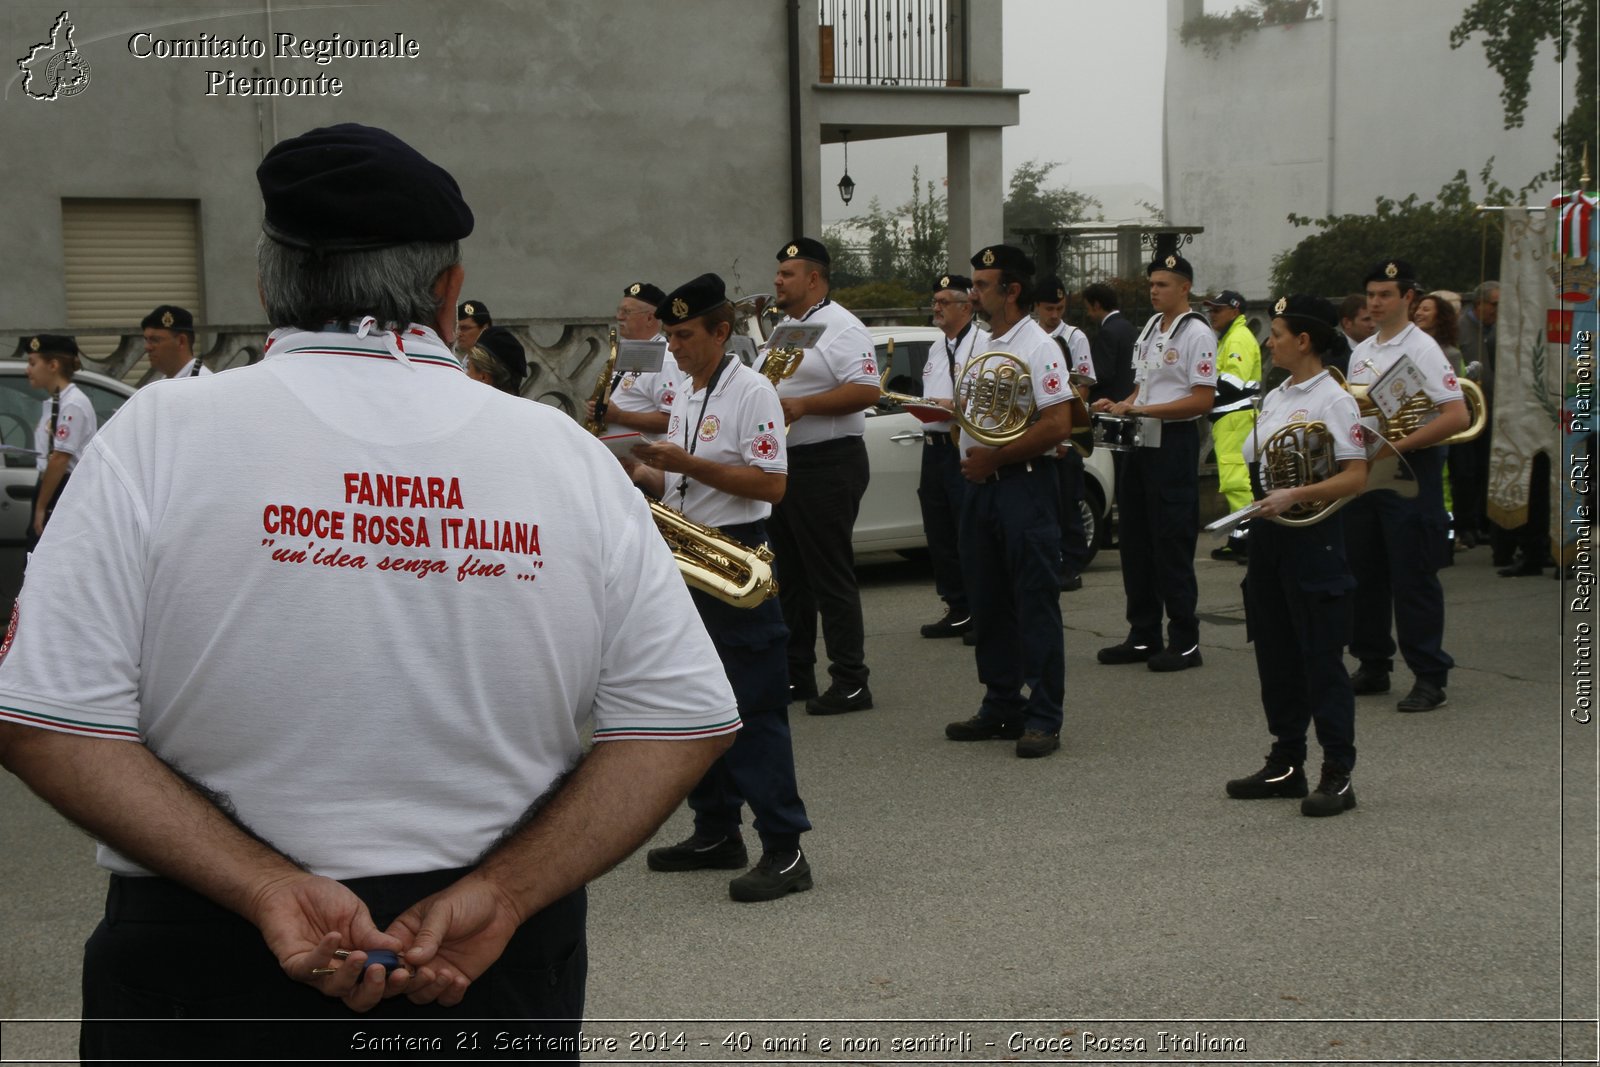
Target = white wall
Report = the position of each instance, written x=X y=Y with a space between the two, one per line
x=1248 y=132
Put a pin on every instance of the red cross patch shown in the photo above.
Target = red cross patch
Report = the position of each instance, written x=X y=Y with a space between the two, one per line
x=1204 y=368
x=1052 y=383
x=765 y=446
x=1450 y=380
x=1358 y=435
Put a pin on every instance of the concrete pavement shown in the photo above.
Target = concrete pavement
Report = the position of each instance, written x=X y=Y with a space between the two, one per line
x=1111 y=889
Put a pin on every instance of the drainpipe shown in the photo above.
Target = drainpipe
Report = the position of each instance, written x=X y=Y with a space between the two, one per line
x=797 y=218
x=1333 y=109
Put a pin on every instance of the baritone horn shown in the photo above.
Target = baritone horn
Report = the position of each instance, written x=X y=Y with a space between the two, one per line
x=994 y=398
x=596 y=423
x=714 y=563
x=1417 y=411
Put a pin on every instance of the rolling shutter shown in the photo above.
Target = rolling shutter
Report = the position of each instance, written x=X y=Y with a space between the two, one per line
x=122 y=258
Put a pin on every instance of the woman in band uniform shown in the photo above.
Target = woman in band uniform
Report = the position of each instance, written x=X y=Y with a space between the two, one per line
x=1296 y=591
x=66 y=423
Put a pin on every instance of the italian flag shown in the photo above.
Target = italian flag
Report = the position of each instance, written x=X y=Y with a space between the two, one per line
x=760 y=426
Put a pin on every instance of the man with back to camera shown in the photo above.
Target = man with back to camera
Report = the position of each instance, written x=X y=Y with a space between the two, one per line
x=824 y=403
x=1010 y=529
x=169 y=343
x=1157 y=489
x=271 y=831
x=941 y=488
x=1393 y=542
x=1234 y=412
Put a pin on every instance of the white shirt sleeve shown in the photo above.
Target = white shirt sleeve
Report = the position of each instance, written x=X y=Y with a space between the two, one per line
x=851 y=357
x=1343 y=419
x=76 y=425
x=1082 y=358
x=1199 y=347
x=761 y=436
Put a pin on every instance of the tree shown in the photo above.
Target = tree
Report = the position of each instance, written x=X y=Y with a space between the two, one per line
x=1030 y=206
x=1446 y=241
x=1513 y=33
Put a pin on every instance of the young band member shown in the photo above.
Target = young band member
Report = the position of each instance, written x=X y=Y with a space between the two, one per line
x=723 y=464
x=66 y=423
x=1395 y=543
x=1010 y=527
x=1158 y=495
x=1297 y=588
x=823 y=403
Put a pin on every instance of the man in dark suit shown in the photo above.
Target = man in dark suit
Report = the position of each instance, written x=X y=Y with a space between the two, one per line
x=1112 y=346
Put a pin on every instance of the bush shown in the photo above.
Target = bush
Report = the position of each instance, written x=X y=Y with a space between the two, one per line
x=879 y=295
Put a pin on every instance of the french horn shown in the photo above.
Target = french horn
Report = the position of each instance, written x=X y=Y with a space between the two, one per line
x=994 y=398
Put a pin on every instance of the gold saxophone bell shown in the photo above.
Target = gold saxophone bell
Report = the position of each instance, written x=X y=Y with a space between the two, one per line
x=994 y=398
x=714 y=563
x=596 y=424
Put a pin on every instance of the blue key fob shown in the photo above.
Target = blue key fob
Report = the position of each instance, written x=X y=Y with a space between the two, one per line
x=383 y=958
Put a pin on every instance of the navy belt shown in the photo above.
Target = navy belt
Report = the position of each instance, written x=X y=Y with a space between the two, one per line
x=937 y=438
x=1017 y=470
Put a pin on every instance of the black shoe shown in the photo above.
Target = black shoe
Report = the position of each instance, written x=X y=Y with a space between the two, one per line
x=1273 y=780
x=840 y=699
x=1524 y=569
x=1127 y=652
x=1424 y=696
x=777 y=874
x=950 y=625
x=803 y=690
x=1035 y=743
x=1072 y=583
x=983 y=728
x=1333 y=795
x=970 y=638
x=1171 y=660
x=699 y=854
x=1227 y=552
x=1369 y=680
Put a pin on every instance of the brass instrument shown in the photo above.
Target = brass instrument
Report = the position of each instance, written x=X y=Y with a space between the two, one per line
x=1301 y=453
x=883 y=383
x=781 y=363
x=715 y=563
x=994 y=398
x=1417 y=411
x=596 y=424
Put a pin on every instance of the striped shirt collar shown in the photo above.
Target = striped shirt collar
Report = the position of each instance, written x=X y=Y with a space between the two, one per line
x=416 y=345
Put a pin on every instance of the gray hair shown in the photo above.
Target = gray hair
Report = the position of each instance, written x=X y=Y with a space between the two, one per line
x=394 y=285
x=1483 y=292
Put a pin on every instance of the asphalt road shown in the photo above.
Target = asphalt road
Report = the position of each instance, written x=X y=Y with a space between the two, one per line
x=1105 y=896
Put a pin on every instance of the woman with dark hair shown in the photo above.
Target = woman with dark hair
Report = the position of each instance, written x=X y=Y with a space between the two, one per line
x=1437 y=317
x=1297 y=611
x=65 y=425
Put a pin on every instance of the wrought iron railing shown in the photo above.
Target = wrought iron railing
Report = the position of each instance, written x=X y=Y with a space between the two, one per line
x=893 y=42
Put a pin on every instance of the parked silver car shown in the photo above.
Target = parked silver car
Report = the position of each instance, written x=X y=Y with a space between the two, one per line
x=20 y=407
x=891 y=518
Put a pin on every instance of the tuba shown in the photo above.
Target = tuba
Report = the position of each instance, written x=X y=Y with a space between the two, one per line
x=714 y=563
x=602 y=389
x=994 y=398
x=1417 y=410
x=1301 y=453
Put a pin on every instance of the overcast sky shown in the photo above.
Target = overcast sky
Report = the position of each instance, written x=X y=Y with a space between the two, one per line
x=1071 y=56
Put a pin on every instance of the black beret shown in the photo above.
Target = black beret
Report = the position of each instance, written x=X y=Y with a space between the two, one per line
x=691 y=300
x=351 y=188
x=804 y=248
x=959 y=282
x=650 y=294
x=1008 y=258
x=1172 y=262
x=476 y=310
x=1050 y=291
x=508 y=351
x=1392 y=270
x=1307 y=309
x=168 y=317
x=51 y=344
x=1226 y=299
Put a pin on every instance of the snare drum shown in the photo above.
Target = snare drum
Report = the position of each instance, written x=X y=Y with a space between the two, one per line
x=1117 y=433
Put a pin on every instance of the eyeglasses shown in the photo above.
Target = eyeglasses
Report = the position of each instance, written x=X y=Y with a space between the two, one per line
x=943 y=302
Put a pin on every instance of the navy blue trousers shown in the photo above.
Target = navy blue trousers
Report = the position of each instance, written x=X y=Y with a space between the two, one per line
x=1074 y=538
x=1394 y=546
x=941 y=492
x=1011 y=552
x=1158 y=526
x=1297 y=614
x=759 y=768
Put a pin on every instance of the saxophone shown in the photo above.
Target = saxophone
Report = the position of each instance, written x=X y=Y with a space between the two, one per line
x=714 y=563
x=602 y=389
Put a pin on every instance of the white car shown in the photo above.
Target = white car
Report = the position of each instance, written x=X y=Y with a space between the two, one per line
x=891 y=517
x=20 y=407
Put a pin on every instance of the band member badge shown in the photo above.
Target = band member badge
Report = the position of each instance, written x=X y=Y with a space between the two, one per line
x=710 y=426
x=633 y=290
x=166 y=319
x=1280 y=306
x=988 y=257
x=1391 y=271
x=1171 y=262
x=468 y=309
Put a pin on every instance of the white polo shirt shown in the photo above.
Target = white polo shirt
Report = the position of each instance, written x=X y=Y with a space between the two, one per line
x=1317 y=399
x=1047 y=369
x=1077 y=347
x=943 y=355
x=844 y=356
x=1168 y=364
x=75 y=425
x=650 y=391
x=1372 y=358
x=738 y=422
x=194 y=369
x=380 y=620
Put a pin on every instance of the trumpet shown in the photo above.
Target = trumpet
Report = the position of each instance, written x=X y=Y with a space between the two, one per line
x=994 y=398
x=596 y=424
x=714 y=563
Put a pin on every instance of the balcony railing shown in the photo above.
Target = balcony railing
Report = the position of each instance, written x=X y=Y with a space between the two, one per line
x=893 y=42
